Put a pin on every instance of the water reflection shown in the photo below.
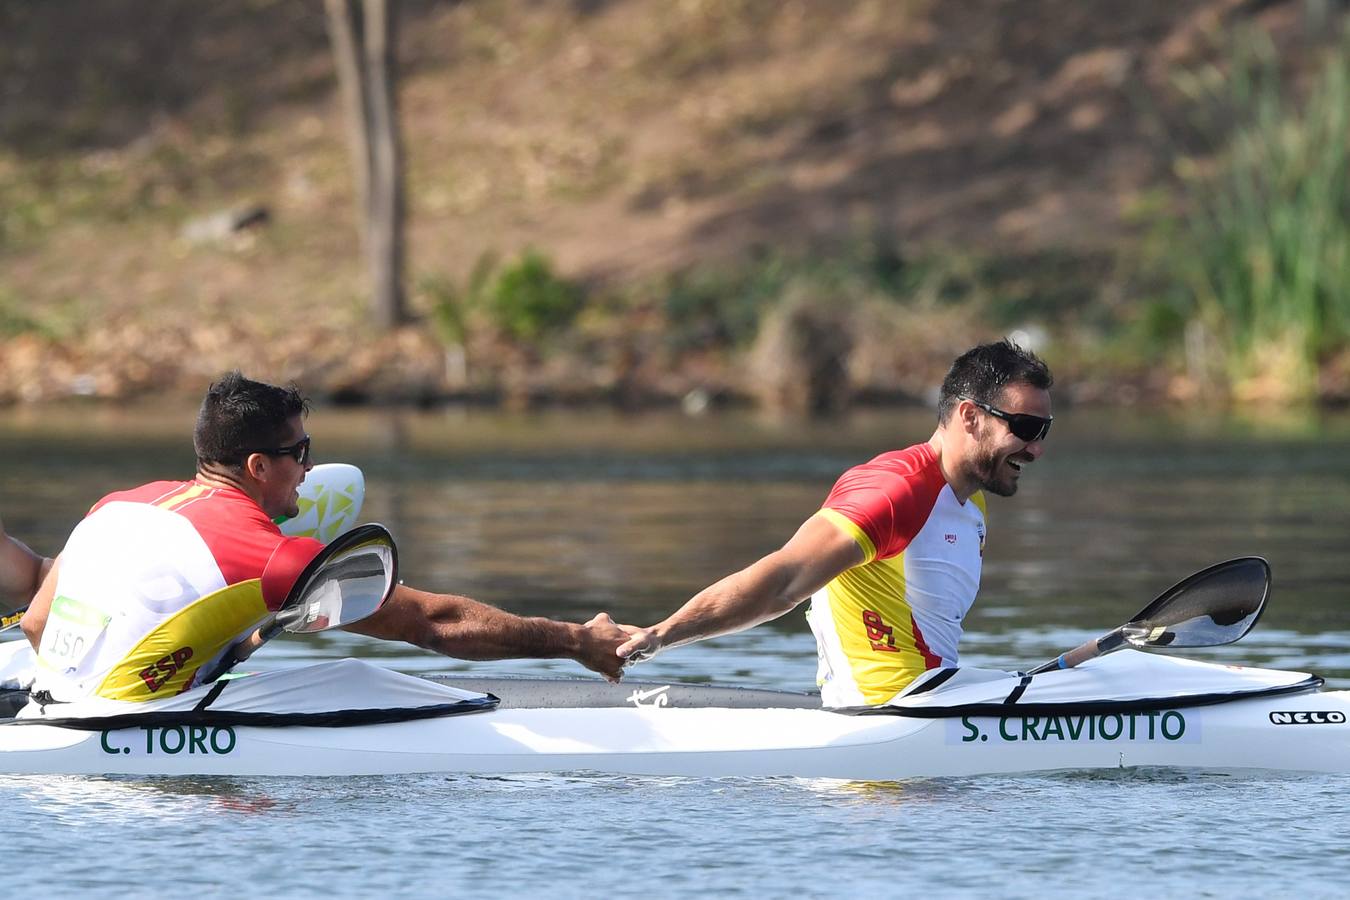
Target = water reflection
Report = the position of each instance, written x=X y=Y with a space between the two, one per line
x=563 y=514
x=120 y=800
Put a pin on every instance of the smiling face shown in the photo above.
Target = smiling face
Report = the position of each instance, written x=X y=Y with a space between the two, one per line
x=997 y=456
x=280 y=476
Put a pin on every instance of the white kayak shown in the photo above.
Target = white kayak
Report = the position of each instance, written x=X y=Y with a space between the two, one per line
x=1122 y=710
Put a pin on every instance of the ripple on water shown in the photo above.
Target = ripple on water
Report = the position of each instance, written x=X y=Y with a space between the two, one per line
x=566 y=515
x=573 y=835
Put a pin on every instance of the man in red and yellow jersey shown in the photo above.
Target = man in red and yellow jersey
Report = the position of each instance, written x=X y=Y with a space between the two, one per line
x=158 y=582
x=892 y=559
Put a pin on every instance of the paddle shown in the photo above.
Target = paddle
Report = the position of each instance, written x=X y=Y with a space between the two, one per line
x=1217 y=605
x=346 y=582
x=330 y=502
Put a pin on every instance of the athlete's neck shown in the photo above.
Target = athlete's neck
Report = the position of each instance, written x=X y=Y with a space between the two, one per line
x=223 y=476
x=960 y=483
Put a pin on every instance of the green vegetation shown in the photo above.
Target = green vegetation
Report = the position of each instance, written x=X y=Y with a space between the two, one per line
x=746 y=196
x=13 y=322
x=525 y=300
x=722 y=306
x=735 y=318
x=1260 y=257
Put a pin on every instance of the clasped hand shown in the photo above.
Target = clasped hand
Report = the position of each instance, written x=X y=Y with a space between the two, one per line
x=601 y=651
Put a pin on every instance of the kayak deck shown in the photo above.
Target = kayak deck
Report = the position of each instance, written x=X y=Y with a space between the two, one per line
x=534 y=692
x=1270 y=720
x=1311 y=736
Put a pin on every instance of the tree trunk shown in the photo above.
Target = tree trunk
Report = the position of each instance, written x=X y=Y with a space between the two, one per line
x=363 y=37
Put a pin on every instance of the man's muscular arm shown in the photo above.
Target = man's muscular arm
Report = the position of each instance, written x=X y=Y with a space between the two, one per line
x=35 y=620
x=467 y=629
x=764 y=590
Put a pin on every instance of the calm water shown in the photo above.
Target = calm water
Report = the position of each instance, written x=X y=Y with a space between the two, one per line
x=564 y=514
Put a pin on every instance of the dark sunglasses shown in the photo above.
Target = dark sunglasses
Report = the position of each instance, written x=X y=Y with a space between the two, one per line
x=1024 y=427
x=299 y=451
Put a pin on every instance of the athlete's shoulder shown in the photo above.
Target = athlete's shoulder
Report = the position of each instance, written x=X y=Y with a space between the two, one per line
x=150 y=493
x=226 y=510
x=911 y=470
x=245 y=542
x=283 y=568
x=917 y=461
x=889 y=497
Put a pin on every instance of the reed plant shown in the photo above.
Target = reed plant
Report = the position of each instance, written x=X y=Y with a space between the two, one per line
x=1262 y=249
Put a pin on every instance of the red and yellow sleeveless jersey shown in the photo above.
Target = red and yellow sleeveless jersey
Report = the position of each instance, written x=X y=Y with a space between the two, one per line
x=157 y=582
x=882 y=623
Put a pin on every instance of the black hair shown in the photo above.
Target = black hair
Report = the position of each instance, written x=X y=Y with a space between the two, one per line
x=239 y=415
x=983 y=372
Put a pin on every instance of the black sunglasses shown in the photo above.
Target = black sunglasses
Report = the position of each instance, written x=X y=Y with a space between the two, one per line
x=299 y=451
x=1024 y=427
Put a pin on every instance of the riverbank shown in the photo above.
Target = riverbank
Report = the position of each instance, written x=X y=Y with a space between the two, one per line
x=794 y=338
x=798 y=206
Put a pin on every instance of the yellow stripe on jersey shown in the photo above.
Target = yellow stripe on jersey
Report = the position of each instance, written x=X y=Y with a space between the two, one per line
x=877 y=639
x=174 y=500
x=166 y=659
x=851 y=528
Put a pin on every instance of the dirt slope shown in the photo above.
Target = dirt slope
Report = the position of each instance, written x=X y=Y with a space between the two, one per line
x=625 y=138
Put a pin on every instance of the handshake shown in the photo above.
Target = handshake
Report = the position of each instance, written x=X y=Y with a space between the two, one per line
x=607 y=647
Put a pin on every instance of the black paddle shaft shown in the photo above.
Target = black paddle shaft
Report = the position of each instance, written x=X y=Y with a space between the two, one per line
x=1215 y=606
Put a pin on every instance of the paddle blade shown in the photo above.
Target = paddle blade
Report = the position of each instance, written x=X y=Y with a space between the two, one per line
x=348 y=581
x=330 y=502
x=1218 y=605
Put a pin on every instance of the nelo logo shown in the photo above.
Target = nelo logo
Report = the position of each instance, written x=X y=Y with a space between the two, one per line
x=1308 y=717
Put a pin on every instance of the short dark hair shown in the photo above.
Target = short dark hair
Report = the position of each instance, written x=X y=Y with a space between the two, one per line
x=239 y=414
x=982 y=373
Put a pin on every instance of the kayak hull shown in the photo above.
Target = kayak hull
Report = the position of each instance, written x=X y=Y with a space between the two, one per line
x=1301 y=732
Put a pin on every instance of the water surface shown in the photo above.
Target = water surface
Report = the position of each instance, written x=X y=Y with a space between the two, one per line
x=564 y=514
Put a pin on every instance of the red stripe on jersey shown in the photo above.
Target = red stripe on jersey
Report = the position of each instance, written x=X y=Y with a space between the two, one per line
x=930 y=659
x=890 y=497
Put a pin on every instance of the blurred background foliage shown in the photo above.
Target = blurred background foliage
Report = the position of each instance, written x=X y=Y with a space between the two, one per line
x=801 y=204
x=1257 y=257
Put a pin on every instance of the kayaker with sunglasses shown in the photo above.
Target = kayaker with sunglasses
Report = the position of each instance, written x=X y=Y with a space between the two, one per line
x=158 y=582
x=891 y=561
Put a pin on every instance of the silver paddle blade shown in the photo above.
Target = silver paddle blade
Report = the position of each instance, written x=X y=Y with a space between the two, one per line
x=1218 y=605
x=348 y=581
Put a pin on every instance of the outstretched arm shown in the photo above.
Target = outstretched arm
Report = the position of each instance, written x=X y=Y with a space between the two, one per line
x=467 y=629
x=35 y=619
x=764 y=590
x=21 y=570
